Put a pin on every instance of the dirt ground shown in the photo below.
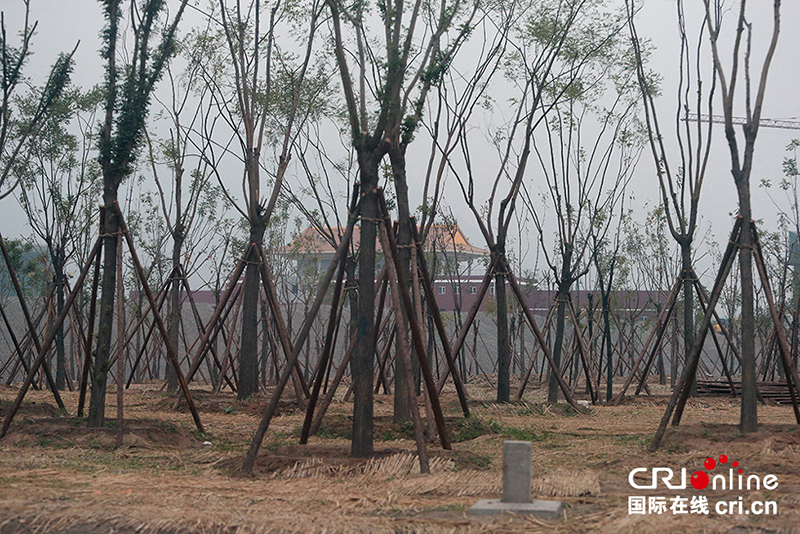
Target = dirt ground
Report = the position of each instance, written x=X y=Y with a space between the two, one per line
x=58 y=476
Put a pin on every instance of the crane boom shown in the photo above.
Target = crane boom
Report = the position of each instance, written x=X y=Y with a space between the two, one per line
x=765 y=123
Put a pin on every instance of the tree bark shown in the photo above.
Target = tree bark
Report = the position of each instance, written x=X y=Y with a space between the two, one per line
x=248 y=350
x=97 y=400
x=503 y=349
x=688 y=306
x=174 y=317
x=749 y=409
x=61 y=358
x=362 y=363
x=402 y=403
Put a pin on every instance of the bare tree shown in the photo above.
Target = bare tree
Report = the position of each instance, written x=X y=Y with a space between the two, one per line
x=587 y=159
x=54 y=182
x=680 y=184
x=264 y=97
x=551 y=47
x=18 y=132
x=742 y=165
x=127 y=90
x=384 y=100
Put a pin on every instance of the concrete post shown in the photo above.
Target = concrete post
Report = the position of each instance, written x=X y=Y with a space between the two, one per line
x=517 y=471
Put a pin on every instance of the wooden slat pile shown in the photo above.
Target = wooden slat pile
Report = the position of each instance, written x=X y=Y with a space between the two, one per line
x=776 y=391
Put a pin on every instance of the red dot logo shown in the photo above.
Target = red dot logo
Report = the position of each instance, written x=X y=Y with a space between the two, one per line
x=723 y=459
x=710 y=464
x=699 y=480
x=735 y=464
x=741 y=471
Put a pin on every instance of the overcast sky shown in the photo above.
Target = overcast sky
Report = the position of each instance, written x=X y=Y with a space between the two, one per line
x=62 y=23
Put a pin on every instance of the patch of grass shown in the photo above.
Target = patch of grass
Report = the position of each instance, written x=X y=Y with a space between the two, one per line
x=125 y=463
x=386 y=435
x=52 y=442
x=637 y=440
x=480 y=462
x=224 y=445
x=278 y=441
x=467 y=429
x=566 y=410
x=332 y=433
x=407 y=429
x=519 y=434
x=166 y=426
x=531 y=409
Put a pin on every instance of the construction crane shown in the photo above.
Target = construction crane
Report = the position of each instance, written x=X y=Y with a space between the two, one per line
x=765 y=123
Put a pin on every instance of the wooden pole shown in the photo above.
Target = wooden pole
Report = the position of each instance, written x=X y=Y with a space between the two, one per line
x=657 y=332
x=211 y=333
x=47 y=343
x=683 y=386
x=31 y=328
x=403 y=350
x=173 y=357
x=583 y=351
x=473 y=312
x=539 y=337
x=535 y=353
x=416 y=333
x=300 y=387
x=792 y=379
x=326 y=352
x=87 y=355
x=437 y=321
x=291 y=362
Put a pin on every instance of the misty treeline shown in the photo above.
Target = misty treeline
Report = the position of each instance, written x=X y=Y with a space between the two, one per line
x=223 y=130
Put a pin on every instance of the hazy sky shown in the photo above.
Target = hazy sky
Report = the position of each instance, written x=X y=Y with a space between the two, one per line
x=62 y=23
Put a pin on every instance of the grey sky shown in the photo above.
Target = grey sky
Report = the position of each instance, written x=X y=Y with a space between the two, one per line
x=63 y=22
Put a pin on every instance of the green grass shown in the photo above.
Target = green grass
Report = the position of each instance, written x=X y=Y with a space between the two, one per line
x=519 y=434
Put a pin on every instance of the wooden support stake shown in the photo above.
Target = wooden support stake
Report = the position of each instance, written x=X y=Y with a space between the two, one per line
x=792 y=379
x=658 y=333
x=540 y=338
x=291 y=362
x=437 y=321
x=48 y=342
x=403 y=351
x=473 y=312
x=214 y=328
x=173 y=357
x=416 y=333
x=535 y=353
x=683 y=386
x=31 y=328
x=583 y=351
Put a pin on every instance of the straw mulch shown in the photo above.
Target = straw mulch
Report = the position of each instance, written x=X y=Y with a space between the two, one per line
x=57 y=476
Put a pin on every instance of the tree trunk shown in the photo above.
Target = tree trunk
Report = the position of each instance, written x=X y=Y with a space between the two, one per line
x=174 y=318
x=248 y=351
x=749 y=411
x=362 y=362
x=97 y=400
x=688 y=308
x=558 y=343
x=402 y=404
x=503 y=349
x=609 y=347
x=61 y=359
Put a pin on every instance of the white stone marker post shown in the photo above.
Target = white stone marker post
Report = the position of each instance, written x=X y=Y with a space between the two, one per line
x=517 y=471
x=517 y=461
